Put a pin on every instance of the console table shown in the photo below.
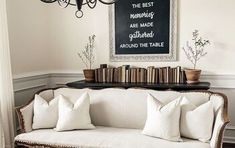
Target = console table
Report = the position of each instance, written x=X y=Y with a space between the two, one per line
x=179 y=87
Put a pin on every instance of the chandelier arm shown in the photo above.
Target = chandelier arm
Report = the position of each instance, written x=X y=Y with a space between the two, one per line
x=92 y=5
x=108 y=3
x=61 y=2
x=48 y=1
x=92 y=2
x=72 y=4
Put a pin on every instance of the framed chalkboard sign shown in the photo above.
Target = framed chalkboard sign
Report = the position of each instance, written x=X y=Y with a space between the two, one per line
x=143 y=30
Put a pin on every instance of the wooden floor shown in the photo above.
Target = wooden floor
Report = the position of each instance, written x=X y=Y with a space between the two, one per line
x=228 y=145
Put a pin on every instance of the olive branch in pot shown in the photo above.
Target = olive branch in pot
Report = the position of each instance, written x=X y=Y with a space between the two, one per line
x=87 y=55
x=196 y=51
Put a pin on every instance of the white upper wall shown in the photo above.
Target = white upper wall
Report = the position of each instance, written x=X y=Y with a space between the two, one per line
x=28 y=32
x=45 y=37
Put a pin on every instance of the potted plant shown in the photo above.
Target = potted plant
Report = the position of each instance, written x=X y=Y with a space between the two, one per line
x=87 y=57
x=194 y=53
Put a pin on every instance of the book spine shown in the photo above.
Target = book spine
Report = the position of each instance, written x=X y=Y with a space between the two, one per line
x=174 y=75
x=153 y=75
x=167 y=74
x=108 y=75
x=96 y=75
x=127 y=76
x=157 y=75
x=170 y=75
x=160 y=75
x=104 y=75
x=145 y=75
x=100 y=74
x=182 y=77
x=148 y=74
x=120 y=74
x=178 y=74
x=141 y=75
x=137 y=74
x=115 y=75
x=123 y=78
x=164 y=75
x=134 y=75
x=111 y=75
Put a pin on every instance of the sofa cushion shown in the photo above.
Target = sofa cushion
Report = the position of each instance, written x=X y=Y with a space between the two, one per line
x=196 y=122
x=102 y=137
x=160 y=118
x=125 y=108
x=74 y=116
x=45 y=114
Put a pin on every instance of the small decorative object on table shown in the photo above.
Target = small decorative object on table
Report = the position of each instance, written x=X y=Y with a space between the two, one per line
x=194 y=53
x=87 y=57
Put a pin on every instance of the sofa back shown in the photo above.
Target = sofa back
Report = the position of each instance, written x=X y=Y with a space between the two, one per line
x=126 y=108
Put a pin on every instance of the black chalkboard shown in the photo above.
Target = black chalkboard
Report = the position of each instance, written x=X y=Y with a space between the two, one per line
x=142 y=27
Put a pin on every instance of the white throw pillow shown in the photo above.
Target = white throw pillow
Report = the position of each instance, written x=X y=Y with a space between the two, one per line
x=45 y=114
x=196 y=122
x=74 y=116
x=163 y=120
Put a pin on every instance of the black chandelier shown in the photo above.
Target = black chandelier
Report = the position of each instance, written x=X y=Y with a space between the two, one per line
x=79 y=3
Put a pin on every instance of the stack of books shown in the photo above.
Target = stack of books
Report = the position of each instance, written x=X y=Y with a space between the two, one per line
x=127 y=74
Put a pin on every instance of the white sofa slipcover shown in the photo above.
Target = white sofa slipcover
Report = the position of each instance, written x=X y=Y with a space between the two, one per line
x=119 y=115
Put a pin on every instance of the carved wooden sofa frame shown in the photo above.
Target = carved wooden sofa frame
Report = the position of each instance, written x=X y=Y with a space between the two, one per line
x=218 y=143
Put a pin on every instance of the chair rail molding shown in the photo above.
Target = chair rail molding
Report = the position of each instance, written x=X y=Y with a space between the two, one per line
x=26 y=82
x=220 y=81
x=60 y=78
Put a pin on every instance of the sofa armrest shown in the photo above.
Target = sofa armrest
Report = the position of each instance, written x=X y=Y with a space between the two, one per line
x=25 y=112
x=25 y=117
x=220 y=103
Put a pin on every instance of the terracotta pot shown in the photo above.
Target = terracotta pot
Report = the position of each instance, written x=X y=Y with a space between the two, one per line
x=192 y=75
x=89 y=75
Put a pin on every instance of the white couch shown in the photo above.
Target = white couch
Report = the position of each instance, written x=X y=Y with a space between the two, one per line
x=119 y=116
